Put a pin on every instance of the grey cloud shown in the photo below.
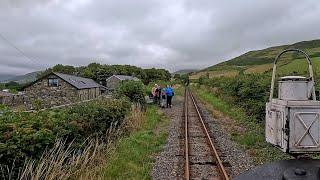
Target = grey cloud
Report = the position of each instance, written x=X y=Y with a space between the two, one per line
x=148 y=33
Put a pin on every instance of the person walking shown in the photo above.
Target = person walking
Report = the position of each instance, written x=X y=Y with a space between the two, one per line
x=155 y=93
x=159 y=94
x=170 y=94
x=163 y=100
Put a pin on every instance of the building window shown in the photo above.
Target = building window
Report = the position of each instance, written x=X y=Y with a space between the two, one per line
x=53 y=82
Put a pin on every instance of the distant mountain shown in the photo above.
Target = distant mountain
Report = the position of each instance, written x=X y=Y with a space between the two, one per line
x=22 y=79
x=185 y=71
x=4 y=77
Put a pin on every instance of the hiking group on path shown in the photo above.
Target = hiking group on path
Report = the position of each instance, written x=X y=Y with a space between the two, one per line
x=162 y=96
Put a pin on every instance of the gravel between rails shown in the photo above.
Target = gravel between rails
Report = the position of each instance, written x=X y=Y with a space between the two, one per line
x=170 y=162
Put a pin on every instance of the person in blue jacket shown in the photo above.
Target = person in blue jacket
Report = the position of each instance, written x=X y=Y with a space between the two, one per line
x=170 y=94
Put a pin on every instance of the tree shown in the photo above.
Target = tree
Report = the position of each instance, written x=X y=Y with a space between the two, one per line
x=100 y=73
x=59 y=68
x=177 y=76
x=185 y=79
x=12 y=85
x=157 y=74
x=134 y=90
x=66 y=69
x=2 y=86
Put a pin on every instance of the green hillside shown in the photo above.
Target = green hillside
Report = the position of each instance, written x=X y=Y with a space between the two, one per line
x=260 y=61
x=266 y=56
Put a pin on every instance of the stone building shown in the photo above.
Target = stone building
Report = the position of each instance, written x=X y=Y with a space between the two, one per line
x=113 y=81
x=58 y=89
x=5 y=97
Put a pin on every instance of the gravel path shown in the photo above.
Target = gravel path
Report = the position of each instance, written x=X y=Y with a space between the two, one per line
x=170 y=162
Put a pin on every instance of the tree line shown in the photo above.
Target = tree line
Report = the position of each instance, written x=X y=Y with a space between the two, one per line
x=99 y=72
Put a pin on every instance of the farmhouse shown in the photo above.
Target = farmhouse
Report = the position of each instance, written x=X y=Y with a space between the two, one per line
x=113 y=81
x=57 y=89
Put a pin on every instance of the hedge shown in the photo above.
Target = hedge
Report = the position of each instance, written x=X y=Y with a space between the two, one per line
x=27 y=135
x=249 y=91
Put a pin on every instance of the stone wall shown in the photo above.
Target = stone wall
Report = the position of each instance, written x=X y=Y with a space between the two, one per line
x=13 y=100
x=40 y=95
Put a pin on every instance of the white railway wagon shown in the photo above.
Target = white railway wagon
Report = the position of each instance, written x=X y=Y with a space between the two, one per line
x=293 y=118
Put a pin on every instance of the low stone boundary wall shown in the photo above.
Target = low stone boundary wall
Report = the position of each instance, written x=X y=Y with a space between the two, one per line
x=67 y=105
x=13 y=100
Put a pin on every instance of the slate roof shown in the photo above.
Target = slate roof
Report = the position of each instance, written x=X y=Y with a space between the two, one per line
x=78 y=82
x=75 y=81
x=123 y=78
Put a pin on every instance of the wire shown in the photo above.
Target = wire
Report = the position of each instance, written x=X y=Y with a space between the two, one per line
x=15 y=47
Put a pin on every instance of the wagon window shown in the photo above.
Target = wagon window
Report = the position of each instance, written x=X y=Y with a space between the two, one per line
x=53 y=82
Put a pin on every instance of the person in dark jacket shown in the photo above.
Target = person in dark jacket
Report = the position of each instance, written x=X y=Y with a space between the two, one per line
x=163 y=100
x=170 y=94
x=159 y=94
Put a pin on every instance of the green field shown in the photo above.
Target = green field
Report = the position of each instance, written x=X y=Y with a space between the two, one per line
x=300 y=66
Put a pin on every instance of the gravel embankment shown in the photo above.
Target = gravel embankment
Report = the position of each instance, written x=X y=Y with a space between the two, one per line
x=239 y=160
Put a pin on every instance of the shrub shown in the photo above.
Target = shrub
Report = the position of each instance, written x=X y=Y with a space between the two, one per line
x=134 y=90
x=29 y=134
x=249 y=91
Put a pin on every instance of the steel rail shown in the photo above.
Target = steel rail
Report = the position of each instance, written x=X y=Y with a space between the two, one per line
x=214 y=151
x=187 y=168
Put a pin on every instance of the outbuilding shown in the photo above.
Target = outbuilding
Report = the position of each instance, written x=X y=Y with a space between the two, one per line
x=113 y=81
x=5 y=97
x=57 y=89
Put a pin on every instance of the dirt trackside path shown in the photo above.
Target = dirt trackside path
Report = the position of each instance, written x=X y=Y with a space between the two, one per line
x=169 y=163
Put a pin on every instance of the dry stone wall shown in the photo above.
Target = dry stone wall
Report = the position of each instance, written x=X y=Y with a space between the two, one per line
x=13 y=100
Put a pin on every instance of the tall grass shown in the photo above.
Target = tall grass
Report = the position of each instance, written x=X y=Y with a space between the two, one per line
x=133 y=156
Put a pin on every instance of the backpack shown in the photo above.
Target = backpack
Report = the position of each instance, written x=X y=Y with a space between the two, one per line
x=169 y=91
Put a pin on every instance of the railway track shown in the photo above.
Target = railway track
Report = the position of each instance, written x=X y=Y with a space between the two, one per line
x=202 y=159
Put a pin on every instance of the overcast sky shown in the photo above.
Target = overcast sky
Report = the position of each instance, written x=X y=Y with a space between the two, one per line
x=171 y=34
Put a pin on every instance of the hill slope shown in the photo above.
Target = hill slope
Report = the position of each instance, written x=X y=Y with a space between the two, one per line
x=265 y=56
x=5 y=77
x=185 y=71
x=22 y=79
x=260 y=61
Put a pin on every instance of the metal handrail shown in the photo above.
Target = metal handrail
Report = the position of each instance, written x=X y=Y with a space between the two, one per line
x=275 y=67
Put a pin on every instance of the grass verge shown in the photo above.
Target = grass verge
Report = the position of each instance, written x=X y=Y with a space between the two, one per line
x=249 y=133
x=132 y=157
